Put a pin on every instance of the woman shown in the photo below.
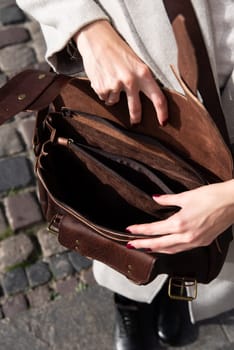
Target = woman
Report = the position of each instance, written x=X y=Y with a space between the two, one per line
x=123 y=45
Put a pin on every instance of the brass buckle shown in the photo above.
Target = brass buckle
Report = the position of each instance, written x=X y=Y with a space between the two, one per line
x=53 y=225
x=177 y=288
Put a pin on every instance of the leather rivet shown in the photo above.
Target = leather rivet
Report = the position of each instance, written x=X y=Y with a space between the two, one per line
x=41 y=76
x=129 y=267
x=77 y=245
x=21 y=97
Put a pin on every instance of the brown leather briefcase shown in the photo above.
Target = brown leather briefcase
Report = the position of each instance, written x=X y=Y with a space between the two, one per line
x=96 y=174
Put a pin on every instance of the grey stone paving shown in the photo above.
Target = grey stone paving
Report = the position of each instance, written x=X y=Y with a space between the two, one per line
x=14 y=250
x=14 y=173
x=60 y=266
x=82 y=321
x=14 y=281
x=38 y=273
x=85 y=321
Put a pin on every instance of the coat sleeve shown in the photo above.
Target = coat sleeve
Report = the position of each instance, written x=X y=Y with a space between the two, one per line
x=59 y=21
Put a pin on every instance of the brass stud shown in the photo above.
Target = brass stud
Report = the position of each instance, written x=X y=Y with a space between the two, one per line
x=129 y=269
x=41 y=76
x=77 y=245
x=21 y=97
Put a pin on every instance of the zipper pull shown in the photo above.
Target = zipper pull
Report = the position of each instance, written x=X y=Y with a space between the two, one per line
x=65 y=142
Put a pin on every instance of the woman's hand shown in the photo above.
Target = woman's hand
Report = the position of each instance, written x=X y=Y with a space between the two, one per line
x=205 y=213
x=112 y=67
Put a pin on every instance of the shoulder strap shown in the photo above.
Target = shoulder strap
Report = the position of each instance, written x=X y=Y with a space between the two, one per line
x=206 y=83
x=29 y=90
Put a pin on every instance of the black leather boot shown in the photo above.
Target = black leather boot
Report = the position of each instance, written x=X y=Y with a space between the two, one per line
x=169 y=317
x=127 y=335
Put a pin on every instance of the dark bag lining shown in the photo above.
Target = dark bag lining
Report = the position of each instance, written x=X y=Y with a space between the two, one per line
x=82 y=179
x=165 y=163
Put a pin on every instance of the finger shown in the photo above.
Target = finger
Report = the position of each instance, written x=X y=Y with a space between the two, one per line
x=112 y=98
x=155 y=94
x=101 y=92
x=152 y=229
x=103 y=96
x=172 y=225
x=168 y=199
x=134 y=106
x=169 y=244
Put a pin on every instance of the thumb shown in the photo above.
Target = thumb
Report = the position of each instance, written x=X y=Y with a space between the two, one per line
x=167 y=199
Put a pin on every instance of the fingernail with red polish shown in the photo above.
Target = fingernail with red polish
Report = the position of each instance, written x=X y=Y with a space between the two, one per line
x=127 y=230
x=164 y=123
x=156 y=195
x=130 y=246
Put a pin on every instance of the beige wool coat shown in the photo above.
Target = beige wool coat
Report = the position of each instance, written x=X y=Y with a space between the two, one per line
x=145 y=26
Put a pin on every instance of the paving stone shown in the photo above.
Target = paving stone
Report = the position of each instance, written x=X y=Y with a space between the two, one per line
x=9 y=141
x=37 y=39
x=22 y=210
x=49 y=243
x=11 y=63
x=14 y=173
x=27 y=128
x=228 y=347
x=87 y=277
x=39 y=296
x=44 y=66
x=14 y=250
x=210 y=337
x=24 y=115
x=38 y=273
x=14 y=281
x=11 y=15
x=67 y=286
x=79 y=262
x=82 y=321
x=13 y=36
x=227 y=323
x=60 y=266
x=3 y=224
x=4 y=3
x=14 y=305
x=3 y=79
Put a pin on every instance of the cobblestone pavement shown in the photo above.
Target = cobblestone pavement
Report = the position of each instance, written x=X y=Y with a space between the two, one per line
x=34 y=268
x=42 y=285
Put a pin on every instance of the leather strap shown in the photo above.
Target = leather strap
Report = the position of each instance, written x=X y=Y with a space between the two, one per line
x=206 y=82
x=29 y=90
